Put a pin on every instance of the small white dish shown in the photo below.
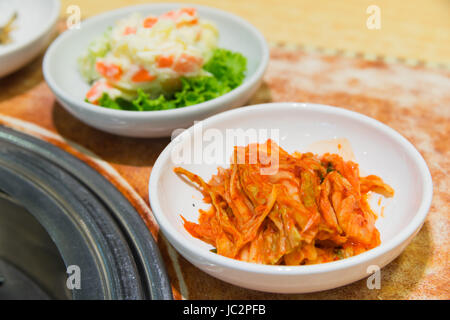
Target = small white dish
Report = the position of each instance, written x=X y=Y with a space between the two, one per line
x=377 y=148
x=61 y=74
x=33 y=30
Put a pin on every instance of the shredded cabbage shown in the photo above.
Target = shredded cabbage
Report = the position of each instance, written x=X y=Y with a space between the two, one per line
x=96 y=49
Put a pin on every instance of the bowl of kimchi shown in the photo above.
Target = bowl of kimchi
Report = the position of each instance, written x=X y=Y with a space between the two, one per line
x=290 y=197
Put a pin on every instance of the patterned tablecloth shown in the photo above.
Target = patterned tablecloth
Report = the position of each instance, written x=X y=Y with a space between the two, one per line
x=413 y=100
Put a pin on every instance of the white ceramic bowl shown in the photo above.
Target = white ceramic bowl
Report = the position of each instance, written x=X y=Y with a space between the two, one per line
x=378 y=149
x=34 y=28
x=61 y=74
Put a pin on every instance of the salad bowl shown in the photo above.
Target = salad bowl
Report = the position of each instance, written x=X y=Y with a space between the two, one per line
x=64 y=79
x=31 y=31
x=378 y=149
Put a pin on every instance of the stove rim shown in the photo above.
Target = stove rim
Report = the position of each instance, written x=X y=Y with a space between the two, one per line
x=144 y=250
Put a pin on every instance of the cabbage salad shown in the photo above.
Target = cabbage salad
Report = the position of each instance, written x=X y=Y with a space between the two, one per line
x=146 y=63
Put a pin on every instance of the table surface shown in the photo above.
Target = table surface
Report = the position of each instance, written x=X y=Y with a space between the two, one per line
x=419 y=30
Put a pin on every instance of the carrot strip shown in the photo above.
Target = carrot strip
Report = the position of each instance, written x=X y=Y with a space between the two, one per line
x=143 y=76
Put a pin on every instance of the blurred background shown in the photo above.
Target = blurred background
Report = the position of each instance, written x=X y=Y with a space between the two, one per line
x=413 y=30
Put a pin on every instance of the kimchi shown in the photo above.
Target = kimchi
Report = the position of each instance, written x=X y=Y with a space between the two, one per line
x=311 y=209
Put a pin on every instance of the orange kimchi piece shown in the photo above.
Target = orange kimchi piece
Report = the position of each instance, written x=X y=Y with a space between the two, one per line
x=312 y=209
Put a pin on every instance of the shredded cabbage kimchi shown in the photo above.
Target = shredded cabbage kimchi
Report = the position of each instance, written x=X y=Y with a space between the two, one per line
x=312 y=209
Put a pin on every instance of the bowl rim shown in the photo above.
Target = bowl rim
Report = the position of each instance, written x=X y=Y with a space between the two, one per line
x=54 y=15
x=178 y=112
x=409 y=230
